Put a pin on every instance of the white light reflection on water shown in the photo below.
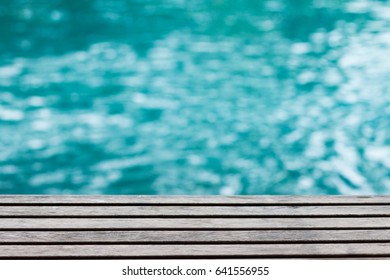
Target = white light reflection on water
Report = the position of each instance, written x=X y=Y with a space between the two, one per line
x=239 y=107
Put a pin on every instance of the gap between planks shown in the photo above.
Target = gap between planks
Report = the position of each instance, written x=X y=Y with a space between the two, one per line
x=256 y=200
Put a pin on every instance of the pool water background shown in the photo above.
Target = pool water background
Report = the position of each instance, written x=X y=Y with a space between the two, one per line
x=194 y=97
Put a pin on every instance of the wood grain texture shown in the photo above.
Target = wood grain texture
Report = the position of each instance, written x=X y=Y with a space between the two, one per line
x=238 y=250
x=185 y=226
x=193 y=200
x=194 y=223
x=158 y=236
x=195 y=211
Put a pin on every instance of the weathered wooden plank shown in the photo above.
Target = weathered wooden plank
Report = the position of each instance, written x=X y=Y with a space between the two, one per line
x=251 y=250
x=188 y=226
x=194 y=200
x=177 y=211
x=253 y=236
x=193 y=223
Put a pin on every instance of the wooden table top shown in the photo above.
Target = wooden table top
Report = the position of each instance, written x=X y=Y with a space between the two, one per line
x=132 y=227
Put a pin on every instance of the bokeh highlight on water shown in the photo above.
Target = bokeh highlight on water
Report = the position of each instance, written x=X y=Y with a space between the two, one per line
x=194 y=97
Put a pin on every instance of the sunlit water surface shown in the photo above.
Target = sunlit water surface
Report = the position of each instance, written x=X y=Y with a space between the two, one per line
x=194 y=97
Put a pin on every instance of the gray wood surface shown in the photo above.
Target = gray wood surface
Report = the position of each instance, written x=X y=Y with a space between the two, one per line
x=184 y=226
x=188 y=211
x=186 y=236
x=194 y=223
x=237 y=250
x=180 y=200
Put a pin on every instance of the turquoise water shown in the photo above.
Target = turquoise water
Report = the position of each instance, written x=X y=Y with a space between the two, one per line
x=194 y=97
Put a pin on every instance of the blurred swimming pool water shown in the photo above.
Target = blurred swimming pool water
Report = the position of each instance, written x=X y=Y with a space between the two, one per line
x=209 y=97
